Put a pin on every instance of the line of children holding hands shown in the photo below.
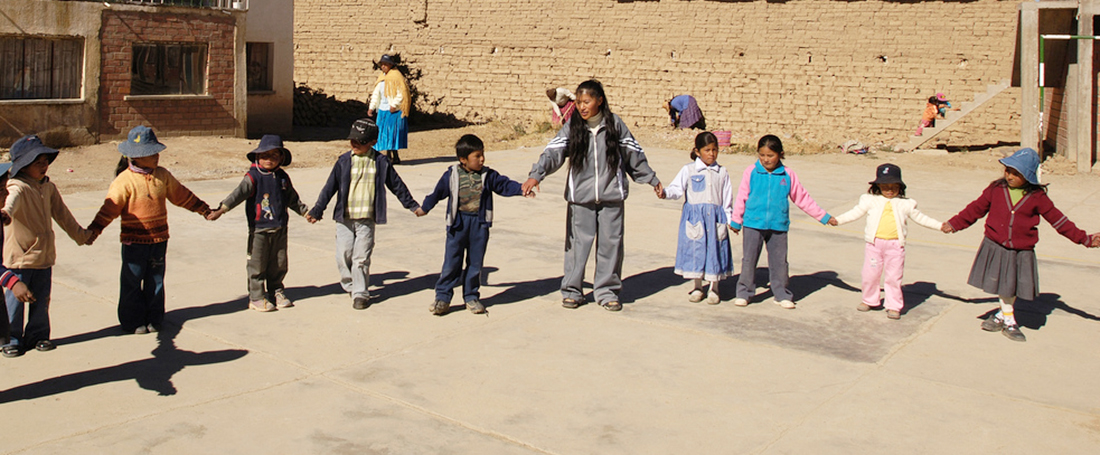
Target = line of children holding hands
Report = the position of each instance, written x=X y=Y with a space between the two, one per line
x=601 y=153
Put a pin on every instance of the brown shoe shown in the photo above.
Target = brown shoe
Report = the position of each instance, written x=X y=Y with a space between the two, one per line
x=281 y=301
x=893 y=314
x=262 y=306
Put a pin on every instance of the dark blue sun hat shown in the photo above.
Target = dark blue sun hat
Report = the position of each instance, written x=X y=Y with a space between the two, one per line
x=267 y=143
x=1026 y=162
x=140 y=143
x=26 y=150
x=4 y=169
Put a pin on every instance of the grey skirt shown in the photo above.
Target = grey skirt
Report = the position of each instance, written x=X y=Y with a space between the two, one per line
x=1005 y=272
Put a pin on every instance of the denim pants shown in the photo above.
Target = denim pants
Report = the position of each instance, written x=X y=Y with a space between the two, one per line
x=141 y=286
x=267 y=262
x=354 y=245
x=776 y=242
x=37 y=328
x=466 y=238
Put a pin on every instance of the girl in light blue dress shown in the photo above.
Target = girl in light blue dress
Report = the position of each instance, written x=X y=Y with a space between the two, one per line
x=703 y=250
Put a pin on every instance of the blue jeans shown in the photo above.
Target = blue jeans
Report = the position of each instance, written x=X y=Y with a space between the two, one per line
x=141 y=286
x=466 y=238
x=39 y=282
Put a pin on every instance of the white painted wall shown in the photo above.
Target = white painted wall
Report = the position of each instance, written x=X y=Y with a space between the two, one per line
x=272 y=21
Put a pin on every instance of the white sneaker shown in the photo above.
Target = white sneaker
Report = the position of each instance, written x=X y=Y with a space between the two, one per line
x=785 y=304
x=695 y=296
x=712 y=298
x=741 y=302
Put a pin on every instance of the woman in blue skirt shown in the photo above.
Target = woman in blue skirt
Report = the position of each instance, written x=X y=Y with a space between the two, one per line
x=392 y=102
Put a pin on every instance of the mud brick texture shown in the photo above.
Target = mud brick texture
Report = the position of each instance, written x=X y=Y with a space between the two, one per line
x=825 y=70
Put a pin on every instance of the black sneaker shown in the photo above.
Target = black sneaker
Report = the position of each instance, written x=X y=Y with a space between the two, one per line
x=476 y=307
x=993 y=324
x=360 y=303
x=1013 y=333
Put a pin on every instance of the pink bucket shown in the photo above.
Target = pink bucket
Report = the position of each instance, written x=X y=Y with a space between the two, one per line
x=723 y=138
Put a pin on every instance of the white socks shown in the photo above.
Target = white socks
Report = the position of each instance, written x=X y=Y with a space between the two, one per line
x=1006 y=313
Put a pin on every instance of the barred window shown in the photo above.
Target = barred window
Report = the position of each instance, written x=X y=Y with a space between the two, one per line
x=40 y=67
x=259 y=66
x=168 y=69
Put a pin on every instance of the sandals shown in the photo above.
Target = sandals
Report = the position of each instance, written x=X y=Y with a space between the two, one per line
x=12 y=351
x=612 y=306
x=570 y=303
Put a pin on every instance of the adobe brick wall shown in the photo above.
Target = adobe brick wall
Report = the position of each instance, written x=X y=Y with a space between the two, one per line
x=213 y=115
x=806 y=67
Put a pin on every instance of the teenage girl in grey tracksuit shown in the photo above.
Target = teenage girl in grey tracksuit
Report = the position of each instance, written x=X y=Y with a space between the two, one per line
x=595 y=189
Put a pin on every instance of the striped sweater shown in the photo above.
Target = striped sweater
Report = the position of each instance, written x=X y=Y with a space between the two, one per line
x=140 y=200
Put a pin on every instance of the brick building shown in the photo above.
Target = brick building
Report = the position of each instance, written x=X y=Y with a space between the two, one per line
x=78 y=72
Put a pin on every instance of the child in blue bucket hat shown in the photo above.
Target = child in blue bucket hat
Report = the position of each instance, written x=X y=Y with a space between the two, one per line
x=138 y=195
x=31 y=207
x=269 y=192
x=1005 y=264
x=8 y=279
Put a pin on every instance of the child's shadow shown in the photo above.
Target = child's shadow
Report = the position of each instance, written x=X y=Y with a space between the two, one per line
x=153 y=373
x=1033 y=313
x=519 y=290
x=917 y=293
x=401 y=284
x=802 y=286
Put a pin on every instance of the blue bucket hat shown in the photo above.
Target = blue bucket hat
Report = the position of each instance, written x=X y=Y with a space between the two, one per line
x=270 y=142
x=26 y=150
x=1026 y=162
x=4 y=168
x=140 y=143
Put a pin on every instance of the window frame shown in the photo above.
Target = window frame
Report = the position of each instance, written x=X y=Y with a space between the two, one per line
x=64 y=85
x=166 y=58
x=268 y=67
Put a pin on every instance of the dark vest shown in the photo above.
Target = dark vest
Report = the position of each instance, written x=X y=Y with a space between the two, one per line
x=267 y=204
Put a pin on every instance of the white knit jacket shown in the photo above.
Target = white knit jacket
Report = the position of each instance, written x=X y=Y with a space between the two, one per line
x=872 y=205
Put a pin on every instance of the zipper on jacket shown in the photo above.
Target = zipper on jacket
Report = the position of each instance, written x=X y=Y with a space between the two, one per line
x=596 y=163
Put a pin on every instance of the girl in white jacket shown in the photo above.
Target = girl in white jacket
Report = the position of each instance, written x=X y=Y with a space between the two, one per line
x=887 y=211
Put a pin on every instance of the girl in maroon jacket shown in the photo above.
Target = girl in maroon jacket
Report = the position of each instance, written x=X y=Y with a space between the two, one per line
x=1005 y=264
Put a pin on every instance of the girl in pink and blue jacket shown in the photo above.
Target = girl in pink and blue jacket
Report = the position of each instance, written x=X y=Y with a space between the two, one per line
x=762 y=211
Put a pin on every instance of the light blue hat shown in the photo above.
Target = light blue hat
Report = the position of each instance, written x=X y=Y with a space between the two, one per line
x=1026 y=162
x=140 y=143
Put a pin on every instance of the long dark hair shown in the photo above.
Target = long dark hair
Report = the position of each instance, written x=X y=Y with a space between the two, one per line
x=123 y=164
x=702 y=140
x=577 y=147
x=875 y=190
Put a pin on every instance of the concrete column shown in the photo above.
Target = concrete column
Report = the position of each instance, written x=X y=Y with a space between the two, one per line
x=1083 y=114
x=1029 y=75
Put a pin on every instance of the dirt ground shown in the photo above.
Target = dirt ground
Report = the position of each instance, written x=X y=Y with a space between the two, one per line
x=203 y=158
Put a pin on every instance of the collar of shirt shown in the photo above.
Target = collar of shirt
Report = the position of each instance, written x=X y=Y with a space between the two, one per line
x=699 y=165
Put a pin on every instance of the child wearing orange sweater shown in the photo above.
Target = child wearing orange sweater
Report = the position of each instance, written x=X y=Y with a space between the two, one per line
x=138 y=195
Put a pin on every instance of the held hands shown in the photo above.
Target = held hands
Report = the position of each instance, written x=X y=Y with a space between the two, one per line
x=833 y=222
x=946 y=228
x=528 y=186
x=215 y=214
x=1094 y=240
x=420 y=212
x=660 y=190
x=311 y=219
x=91 y=238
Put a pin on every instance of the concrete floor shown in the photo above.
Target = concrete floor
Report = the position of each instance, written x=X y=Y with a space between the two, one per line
x=663 y=376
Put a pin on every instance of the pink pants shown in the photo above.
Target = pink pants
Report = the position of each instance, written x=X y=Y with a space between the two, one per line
x=888 y=256
x=920 y=128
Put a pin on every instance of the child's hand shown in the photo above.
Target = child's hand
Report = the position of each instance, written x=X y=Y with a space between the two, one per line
x=660 y=190
x=5 y=218
x=311 y=219
x=833 y=222
x=946 y=228
x=213 y=215
x=529 y=185
x=735 y=230
x=420 y=212
x=91 y=238
x=1094 y=240
x=21 y=293
x=530 y=195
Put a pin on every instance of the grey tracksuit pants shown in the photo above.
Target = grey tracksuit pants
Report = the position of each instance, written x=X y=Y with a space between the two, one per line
x=602 y=223
x=267 y=262
x=777 y=262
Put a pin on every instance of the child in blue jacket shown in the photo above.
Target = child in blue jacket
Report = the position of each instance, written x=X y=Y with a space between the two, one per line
x=469 y=217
